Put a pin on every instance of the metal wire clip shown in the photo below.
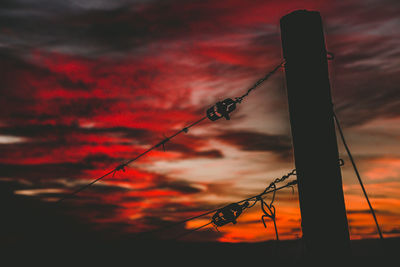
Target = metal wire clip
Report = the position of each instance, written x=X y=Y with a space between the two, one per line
x=221 y=109
x=228 y=214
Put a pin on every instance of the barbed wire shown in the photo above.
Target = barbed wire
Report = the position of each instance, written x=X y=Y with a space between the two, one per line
x=216 y=211
x=221 y=109
x=230 y=213
x=123 y=165
x=266 y=77
x=357 y=173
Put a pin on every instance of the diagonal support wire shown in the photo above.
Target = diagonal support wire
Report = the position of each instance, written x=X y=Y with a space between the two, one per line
x=357 y=174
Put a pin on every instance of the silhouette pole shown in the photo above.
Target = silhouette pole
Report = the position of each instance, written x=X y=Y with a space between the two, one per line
x=323 y=213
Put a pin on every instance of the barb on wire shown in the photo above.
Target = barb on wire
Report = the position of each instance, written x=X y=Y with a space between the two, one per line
x=219 y=110
x=279 y=180
x=123 y=165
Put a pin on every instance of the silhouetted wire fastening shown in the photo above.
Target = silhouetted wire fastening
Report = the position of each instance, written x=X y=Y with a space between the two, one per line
x=229 y=213
x=222 y=108
x=219 y=110
x=357 y=173
x=253 y=198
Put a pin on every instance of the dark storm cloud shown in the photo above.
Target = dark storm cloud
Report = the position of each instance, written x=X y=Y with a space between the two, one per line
x=20 y=101
x=213 y=154
x=42 y=171
x=46 y=130
x=12 y=68
x=45 y=142
x=179 y=186
x=107 y=189
x=192 y=152
x=370 y=95
x=267 y=39
x=366 y=74
x=255 y=141
x=29 y=222
x=43 y=23
x=167 y=183
x=71 y=27
x=95 y=159
x=365 y=79
x=361 y=14
x=99 y=26
x=46 y=171
x=364 y=37
x=89 y=204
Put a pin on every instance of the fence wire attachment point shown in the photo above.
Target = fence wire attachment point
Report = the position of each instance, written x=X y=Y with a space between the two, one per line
x=221 y=109
x=228 y=214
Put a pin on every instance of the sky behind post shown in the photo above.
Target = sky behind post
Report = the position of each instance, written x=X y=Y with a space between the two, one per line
x=88 y=84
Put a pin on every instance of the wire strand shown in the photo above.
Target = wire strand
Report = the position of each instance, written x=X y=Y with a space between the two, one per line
x=123 y=165
x=260 y=81
x=265 y=192
x=289 y=184
x=167 y=139
x=357 y=173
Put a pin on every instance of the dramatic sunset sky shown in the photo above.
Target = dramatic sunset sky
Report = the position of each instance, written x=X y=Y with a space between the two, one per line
x=86 y=85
